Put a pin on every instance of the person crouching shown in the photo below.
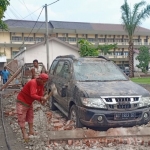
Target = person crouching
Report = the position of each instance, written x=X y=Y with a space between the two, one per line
x=33 y=90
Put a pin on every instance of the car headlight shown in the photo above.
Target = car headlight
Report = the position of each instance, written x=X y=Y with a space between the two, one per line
x=93 y=102
x=145 y=101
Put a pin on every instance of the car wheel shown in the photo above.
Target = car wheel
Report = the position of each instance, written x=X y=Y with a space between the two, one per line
x=51 y=103
x=74 y=116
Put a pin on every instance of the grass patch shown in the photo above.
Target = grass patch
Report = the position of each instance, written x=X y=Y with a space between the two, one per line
x=144 y=80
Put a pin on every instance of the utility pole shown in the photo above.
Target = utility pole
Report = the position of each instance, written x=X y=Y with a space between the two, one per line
x=47 y=36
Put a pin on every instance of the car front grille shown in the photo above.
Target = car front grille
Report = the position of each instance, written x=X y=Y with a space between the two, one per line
x=121 y=103
x=122 y=99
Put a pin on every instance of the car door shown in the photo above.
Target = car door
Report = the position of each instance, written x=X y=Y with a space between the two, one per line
x=64 y=81
x=51 y=75
x=57 y=80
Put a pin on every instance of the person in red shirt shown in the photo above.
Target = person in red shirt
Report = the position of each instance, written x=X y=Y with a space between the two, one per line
x=33 y=90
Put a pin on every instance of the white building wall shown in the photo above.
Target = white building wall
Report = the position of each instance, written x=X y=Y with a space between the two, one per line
x=39 y=53
x=21 y=59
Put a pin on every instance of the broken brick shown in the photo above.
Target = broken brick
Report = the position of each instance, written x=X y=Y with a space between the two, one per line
x=54 y=120
x=58 y=125
x=70 y=142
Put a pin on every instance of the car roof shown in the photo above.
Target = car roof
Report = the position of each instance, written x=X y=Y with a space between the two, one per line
x=89 y=58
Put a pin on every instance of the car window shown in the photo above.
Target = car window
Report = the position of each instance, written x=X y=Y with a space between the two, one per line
x=65 y=71
x=59 y=68
x=97 y=71
x=53 y=66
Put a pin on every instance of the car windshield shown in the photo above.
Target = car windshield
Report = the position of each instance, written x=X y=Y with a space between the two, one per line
x=97 y=71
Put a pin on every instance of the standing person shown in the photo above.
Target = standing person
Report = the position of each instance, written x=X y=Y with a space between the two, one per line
x=5 y=74
x=33 y=90
x=37 y=69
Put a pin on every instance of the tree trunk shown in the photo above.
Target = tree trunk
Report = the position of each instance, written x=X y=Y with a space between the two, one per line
x=131 y=61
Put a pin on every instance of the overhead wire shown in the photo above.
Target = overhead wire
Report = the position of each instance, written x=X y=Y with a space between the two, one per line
x=27 y=15
x=36 y=20
x=24 y=4
x=13 y=13
x=16 y=16
x=33 y=26
x=39 y=27
x=15 y=10
x=52 y=3
x=7 y=14
x=34 y=12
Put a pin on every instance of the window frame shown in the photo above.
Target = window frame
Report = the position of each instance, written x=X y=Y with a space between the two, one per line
x=53 y=68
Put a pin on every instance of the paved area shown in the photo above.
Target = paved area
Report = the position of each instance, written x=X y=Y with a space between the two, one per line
x=11 y=136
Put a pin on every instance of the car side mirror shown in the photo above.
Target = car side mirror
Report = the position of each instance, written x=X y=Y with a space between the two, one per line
x=64 y=91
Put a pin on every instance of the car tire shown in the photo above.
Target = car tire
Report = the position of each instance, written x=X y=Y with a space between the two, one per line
x=51 y=103
x=73 y=115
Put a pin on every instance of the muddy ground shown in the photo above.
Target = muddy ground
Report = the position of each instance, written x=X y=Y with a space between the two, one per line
x=46 y=120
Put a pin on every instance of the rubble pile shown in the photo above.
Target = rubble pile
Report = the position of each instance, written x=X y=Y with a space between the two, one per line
x=45 y=121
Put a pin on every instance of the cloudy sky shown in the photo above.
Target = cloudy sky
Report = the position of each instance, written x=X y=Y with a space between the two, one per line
x=98 y=11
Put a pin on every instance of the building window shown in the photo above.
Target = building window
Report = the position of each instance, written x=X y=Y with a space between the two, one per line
x=136 y=40
x=81 y=39
x=91 y=39
x=14 y=53
x=125 y=40
x=29 y=39
x=109 y=40
x=39 y=39
x=125 y=53
x=101 y=40
x=118 y=40
x=62 y=38
x=16 y=38
x=71 y=39
x=118 y=53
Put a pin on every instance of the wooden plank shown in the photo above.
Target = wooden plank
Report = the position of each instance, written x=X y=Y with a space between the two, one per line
x=91 y=134
x=66 y=134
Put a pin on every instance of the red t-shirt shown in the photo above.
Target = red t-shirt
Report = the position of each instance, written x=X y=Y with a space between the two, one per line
x=30 y=92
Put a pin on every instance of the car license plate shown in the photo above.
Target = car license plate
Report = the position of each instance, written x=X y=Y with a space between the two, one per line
x=123 y=116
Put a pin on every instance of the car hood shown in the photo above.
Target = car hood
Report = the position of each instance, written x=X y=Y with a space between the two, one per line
x=113 y=88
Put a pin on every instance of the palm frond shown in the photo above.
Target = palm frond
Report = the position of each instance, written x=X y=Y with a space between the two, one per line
x=136 y=12
x=125 y=11
x=145 y=13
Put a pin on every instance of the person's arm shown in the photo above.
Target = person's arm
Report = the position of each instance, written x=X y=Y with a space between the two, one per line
x=33 y=73
x=33 y=93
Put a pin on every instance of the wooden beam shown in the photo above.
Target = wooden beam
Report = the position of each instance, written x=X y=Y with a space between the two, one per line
x=10 y=69
x=91 y=134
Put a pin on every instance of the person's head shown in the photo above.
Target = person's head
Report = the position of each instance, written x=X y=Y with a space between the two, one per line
x=35 y=63
x=5 y=68
x=42 y=79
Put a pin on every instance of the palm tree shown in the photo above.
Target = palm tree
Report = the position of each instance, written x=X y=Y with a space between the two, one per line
x=131 y=20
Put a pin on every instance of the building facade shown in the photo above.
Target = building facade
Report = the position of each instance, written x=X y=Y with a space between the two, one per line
x=20 y=35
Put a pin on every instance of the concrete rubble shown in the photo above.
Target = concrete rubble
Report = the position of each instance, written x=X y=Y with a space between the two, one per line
x=46 y=120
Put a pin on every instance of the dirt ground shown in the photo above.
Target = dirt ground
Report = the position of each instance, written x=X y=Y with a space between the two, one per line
x=46 y=120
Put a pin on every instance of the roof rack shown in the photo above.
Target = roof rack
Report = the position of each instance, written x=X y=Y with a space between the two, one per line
x=66 y=56
x=103 y=58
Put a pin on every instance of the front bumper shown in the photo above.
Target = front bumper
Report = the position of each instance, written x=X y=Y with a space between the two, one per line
x=89 y=117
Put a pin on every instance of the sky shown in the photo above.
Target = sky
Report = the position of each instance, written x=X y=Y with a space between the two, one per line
x=94 y=11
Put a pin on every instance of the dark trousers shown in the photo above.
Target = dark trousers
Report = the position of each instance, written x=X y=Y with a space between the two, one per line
x=4 y=81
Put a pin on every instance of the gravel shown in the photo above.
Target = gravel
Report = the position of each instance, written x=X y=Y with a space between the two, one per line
x=45 y=120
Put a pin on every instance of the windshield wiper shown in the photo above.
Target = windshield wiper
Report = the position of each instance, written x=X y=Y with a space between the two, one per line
x=93 y=80
x=100 y=80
